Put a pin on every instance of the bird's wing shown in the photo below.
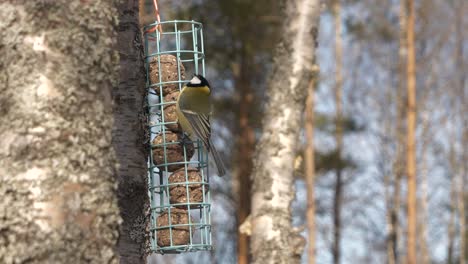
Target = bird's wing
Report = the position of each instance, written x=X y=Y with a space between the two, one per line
x=200 y=125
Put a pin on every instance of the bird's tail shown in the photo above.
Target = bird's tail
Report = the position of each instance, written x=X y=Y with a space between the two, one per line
x=217 y=159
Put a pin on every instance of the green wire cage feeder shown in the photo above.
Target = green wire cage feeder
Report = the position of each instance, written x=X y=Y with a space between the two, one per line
x=178 y=179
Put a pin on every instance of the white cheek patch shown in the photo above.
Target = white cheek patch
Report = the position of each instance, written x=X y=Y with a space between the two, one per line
x=195 y=80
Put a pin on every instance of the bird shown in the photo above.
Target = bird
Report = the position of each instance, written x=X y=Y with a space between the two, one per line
x=193 y=109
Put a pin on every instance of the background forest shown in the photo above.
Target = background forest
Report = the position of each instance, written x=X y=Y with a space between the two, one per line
x=360 y=214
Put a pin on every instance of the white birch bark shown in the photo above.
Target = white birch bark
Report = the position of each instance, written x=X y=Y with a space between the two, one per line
x=58 y=64
x=273 y=238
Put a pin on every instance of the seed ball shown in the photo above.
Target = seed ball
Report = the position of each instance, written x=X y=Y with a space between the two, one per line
x=170 y=114
x=169 y=73
x=178 y=193
x=174 y=151
x=180 y=234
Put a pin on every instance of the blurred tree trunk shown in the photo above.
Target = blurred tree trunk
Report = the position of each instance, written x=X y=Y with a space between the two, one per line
x=310 y=170
x=129 y=137
x=424 y=257
x=338 y=198
x=461 y=80
x=246 y=144
x=57 y=164
x=461 y=207
x=273 y=238
x=410 y=137
x=423 y=201
x=390 y=209
x=451 y=231
x=388 y=219
x=423 y=216
x=453 y=205
x=399 y=167
x=141 y=11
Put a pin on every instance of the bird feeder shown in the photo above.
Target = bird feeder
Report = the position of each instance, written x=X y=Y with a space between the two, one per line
x=178 y=182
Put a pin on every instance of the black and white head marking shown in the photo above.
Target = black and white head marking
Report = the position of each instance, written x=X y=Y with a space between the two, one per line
x=198 y=81
x=195 y=80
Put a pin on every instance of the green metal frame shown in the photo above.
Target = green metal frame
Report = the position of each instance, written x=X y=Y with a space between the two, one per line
x=178 y=32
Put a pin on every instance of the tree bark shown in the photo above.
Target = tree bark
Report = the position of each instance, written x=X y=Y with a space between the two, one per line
x=57 y=163
x=310 y=170
x=128 y=137
x=338 y=195
x=410 y=136
x=273 y=238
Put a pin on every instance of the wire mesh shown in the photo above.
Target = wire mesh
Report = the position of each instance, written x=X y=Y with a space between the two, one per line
x=178 y=187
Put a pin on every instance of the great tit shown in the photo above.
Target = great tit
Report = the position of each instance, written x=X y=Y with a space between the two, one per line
x=193 y=112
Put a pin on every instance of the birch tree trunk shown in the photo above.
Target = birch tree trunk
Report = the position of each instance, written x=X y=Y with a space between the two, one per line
x=310 y=171
x=57 y=164
x=129 y=137
x=410 y=136
x=338 y=198
x=273 y=238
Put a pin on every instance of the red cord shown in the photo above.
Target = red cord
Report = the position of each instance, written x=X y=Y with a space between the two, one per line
x=158 y=18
